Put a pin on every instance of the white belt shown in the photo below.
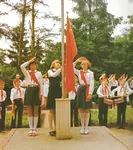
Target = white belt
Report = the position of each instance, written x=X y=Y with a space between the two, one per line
x=2 y=100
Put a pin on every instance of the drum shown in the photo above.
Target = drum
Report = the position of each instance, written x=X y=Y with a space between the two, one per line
x=108 y=101
x=119 y=100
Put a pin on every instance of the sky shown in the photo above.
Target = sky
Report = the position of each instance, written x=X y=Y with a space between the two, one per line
x=116 y=7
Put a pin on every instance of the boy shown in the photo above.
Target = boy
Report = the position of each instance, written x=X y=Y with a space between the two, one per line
x=74 y=109
x=2 y=105
x=122 y=90
x=17 y=99
x=103 y=92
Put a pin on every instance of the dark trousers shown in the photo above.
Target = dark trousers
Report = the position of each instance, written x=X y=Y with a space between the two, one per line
x=103 y=113
x=39 y=117
x=3 y=115
x=19 y=112
x=121 y=114
x=131 y=98
x=74 y=113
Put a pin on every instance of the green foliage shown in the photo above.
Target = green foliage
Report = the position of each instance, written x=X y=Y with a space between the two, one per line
x=93 y=29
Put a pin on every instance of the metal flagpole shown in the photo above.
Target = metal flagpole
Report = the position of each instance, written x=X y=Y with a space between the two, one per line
x=63 y=130
x=62 y=49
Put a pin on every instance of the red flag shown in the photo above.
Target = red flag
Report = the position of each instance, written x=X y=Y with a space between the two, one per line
x=71 y=52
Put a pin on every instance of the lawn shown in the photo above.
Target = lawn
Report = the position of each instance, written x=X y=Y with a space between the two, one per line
x=112 y=115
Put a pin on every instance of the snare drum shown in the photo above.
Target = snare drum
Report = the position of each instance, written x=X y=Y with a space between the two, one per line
x=108 y=101
x=119 y=100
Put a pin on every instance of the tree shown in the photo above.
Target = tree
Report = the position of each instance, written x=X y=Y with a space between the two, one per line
x=93 y=29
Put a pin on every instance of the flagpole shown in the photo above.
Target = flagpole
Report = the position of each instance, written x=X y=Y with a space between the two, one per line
x=62 y=49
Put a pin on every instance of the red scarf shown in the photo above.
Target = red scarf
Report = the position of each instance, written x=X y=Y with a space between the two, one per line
x=87 y=86
x=33 y=77
x=105 y=90
x=18 y=90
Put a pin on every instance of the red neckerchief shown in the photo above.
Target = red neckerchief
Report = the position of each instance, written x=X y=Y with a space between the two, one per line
x=2 y=94
x=18 y=90
x=105 y=90
x=33 y=76
x=84 y=79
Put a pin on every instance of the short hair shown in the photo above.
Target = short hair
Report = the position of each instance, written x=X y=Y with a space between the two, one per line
x=53 y=63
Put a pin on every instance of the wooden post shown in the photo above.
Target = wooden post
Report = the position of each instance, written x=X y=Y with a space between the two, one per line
x=63 y=124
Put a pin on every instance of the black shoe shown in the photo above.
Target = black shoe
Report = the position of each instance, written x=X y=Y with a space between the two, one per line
x=52 y=133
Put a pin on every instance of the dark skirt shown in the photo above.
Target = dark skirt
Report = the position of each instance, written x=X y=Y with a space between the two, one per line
x=32 y=96
x=54 y=92
x=81 y=99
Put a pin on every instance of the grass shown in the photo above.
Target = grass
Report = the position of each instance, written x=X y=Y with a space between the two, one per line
x=112 y=117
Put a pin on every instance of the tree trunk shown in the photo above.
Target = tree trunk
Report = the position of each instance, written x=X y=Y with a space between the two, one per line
x=21 y=34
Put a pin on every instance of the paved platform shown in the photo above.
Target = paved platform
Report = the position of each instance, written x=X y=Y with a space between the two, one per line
x=99 y=138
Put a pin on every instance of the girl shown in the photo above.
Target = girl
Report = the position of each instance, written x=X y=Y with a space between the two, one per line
x=33 y=93
x=84 y=94
x=54 y=75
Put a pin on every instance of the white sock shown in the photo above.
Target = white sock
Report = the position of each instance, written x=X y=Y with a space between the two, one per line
x=87 y=117
x=30 y=120
x=35 y=122
x=82 y=119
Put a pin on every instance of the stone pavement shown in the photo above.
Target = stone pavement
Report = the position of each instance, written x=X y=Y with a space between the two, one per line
x=99 y=138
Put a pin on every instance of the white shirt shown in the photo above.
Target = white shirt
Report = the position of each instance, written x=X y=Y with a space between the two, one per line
x=72 y=94
x=55 y=73
x=45 y=87
x=15 y=93
x=113 y=83
x=4 y=96
x=102 y=91
x=122 y=90
x=131 y=84
x=89 y=75
x=28 y=80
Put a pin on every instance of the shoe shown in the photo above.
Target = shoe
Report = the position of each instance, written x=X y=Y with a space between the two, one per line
x=86 y=131
x=34 y=133
x=30 y=132
x=82 y=131
x=52 y=133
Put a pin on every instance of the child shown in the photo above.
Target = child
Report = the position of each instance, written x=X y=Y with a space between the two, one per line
x=74 y=109
x=18 y=78
x=17 y=99
x=54 y=75
x=130 y=82
x=122 y=90
x=113 y=83
x=33 y=93
x=45 y=88
x=2 y=105
x=103 y=92
x=84 y=94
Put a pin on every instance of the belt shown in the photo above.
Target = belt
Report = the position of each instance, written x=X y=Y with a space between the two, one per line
x=18 y=99
x=32 y=85
x=2 y=101
x=84 y=84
